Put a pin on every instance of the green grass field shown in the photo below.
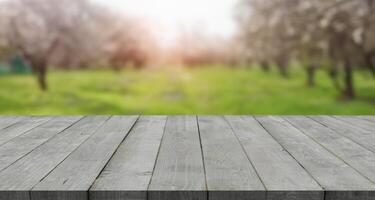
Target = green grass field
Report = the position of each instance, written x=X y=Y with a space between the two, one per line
x=215 y=90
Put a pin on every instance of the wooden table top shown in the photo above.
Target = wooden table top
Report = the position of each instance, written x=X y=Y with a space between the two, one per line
x=187 y=157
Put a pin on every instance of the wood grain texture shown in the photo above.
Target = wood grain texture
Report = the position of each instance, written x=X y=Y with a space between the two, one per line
x=6 y=121
x=358 y=122
x=21 y=127
x=128 y=174
x=187 y=158
x=368 y=118
x=179 y=170
x=227 y=166
x=80 y=169
x=353 y=154
x=357 y=134
x=24 y=174
x=23 y=144
x=331 y=172
x=281 y=174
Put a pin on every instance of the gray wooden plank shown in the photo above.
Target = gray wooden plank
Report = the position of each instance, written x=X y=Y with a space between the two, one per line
x=128 y=173
x=368 y=118
x=361 y=123
x=80 y=169
x=281 y=174
x=229 y=173
x=355 y=155
x=6 y=121
x=331 y=172
x=359 y=135
x=24 y=174
x=21 y=127
x=23 y=144
x=179 y=171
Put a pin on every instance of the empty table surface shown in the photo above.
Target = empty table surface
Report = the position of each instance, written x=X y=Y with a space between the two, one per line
x=187 y=157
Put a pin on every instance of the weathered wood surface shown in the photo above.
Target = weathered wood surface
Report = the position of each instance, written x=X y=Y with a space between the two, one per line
x=179 y=166
x=80 y=169
x=28 y=171
x=330 y=171
x=356 y=133
x=277 y=168
x=20 y=146
x=21 y=127
x=227 y=166
x=187 y=158
x=8 y=121
x=128 y=173
x=350 y=152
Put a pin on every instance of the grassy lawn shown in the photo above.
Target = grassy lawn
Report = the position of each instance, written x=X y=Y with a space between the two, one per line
x=213 y=90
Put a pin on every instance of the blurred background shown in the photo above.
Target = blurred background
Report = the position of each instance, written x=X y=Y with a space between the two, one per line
x=187 y=57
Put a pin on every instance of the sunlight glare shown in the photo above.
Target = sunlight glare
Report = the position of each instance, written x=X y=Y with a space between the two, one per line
x=214 y=16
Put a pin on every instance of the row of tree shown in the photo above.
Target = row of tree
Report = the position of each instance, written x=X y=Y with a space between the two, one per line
x=338 y=34
x=70 y=33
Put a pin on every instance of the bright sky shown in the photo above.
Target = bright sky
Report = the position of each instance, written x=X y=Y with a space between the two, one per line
x=216 y=16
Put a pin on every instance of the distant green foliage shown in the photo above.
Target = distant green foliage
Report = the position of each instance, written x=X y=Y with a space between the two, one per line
x=3 y=68
x=215 y=90
x=19 y=66
x=15 y=65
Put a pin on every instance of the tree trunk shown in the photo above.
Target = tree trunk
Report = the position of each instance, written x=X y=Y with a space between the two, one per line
x=139 y=64
x=116 y=67
x=41 y=72
x=311 y=75
x=265 y=66
x=348 y=92
x=283 y=70
x=370 y=65
x=282 y=65
x=333 y=73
